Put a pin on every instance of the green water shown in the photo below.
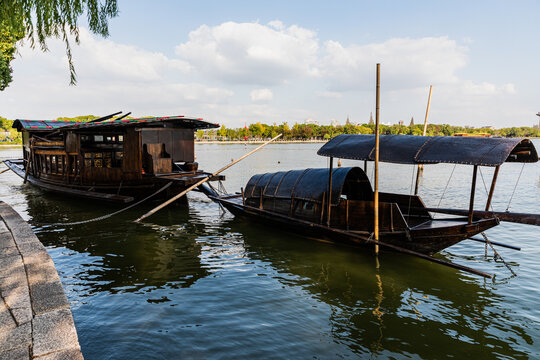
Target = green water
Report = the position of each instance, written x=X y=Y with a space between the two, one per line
x=194 y=282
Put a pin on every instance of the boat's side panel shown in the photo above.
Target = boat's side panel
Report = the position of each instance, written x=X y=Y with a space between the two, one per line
x=428 y=240
x=65 y=190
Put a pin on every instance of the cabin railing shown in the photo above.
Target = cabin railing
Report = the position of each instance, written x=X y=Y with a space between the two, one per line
x=346 y=214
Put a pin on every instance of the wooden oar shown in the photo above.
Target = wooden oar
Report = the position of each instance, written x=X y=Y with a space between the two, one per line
x=202 y=181
x=521 y=218
x=3 y=171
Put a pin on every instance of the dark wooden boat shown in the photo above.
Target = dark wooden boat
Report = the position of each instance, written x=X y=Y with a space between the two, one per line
x=117 y=160
x=338 y=204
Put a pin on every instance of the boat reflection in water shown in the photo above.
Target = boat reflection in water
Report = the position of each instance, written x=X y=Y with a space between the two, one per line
x=224 y=285
x=393 y=304
x=129 y=257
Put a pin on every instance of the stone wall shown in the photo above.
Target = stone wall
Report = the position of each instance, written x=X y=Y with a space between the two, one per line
x=35 y=317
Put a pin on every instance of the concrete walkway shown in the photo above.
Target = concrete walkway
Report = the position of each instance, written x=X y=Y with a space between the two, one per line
x=35 y=318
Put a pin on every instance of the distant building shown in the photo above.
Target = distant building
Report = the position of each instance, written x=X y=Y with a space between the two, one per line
x=311 y=122
x=371 y=122
x=400 y=122
x=334 y=122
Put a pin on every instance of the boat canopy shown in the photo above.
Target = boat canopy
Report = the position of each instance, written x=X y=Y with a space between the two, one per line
x=40 y=125
x=310 y=184
x=172 y=121
x=410 y=149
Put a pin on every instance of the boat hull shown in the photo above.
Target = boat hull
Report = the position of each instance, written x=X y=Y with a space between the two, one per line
x=116 y=193
x=426 y=239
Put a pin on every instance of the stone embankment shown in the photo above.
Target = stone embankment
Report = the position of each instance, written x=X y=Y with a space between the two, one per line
x=35 y=318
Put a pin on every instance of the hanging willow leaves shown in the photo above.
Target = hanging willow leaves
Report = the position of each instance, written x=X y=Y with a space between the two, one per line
x=38 y=20
x=8 y=39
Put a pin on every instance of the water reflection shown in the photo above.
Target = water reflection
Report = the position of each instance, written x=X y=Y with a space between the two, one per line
x=127 y=257
x=226 y=286
x=405 y=306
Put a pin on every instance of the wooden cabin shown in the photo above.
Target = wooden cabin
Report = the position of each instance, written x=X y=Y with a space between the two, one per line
x=119 y=155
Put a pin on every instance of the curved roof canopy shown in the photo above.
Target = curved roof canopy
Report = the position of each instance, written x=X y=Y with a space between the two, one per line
x=308 y=184
x=409 y=149
x=172 y=121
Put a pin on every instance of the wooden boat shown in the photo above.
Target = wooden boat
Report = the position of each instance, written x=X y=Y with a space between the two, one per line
x=337 y=204
x=110 y=159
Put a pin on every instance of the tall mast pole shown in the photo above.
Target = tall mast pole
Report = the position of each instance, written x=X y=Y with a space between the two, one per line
x=427 y=110
x=376 y=191
x=420 y=167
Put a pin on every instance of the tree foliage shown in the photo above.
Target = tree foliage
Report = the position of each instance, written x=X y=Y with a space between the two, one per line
x=38 y=20
x=258 y=131
x=8 y=39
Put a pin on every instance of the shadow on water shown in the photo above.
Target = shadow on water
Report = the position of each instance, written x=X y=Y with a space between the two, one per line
x=127 y=256
x=392 y=305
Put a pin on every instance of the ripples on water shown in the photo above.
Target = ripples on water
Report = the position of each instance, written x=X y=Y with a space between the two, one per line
x=194 y=282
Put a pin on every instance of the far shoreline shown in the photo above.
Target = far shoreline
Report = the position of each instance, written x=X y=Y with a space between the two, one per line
x=258 y=141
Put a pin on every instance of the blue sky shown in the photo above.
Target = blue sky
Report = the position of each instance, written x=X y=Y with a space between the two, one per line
x=247 y=61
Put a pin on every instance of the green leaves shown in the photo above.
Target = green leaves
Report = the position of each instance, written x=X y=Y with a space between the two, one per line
x=42 y=19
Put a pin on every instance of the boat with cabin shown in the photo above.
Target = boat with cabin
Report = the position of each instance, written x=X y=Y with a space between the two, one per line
x=112 y=159
x=337 y=204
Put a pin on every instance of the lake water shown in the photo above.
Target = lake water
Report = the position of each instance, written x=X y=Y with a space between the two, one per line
x=193 y=282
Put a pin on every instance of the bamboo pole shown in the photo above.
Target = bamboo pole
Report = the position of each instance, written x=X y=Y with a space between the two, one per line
x=492 y=188
x=421 y=167
x=427 y=110
x=157 y=208
x=329 y=191
x=473 y=190
x=376 y=191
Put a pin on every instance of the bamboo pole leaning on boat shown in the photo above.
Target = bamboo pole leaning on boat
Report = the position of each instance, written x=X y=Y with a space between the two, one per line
x=176 y=197
x=376 y=191
x=421 y=167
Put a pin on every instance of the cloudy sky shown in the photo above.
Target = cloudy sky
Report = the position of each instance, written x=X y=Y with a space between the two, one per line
x=233 y=62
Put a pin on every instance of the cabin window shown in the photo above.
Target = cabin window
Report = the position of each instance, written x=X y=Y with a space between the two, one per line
x=102 y=139
x=105 y=159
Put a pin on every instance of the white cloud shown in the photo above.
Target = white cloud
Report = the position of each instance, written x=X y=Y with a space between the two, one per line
x=262 y=95
x=405 y=63
x=271 y=58
x=251 y=53
x=330 y=94
x=106 y=59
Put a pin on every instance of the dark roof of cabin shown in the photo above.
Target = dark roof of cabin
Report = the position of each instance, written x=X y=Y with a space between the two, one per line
x=306 y=184
x=409 y=149
x=177 y=121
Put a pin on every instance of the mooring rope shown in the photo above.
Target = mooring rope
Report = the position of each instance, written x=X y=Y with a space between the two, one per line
x=446 y=187
x=485 y=187
x=515 y=187
x=496 y=254
x=114 y=213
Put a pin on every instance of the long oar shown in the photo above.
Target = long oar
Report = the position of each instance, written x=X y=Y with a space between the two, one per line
x=521 y=218
x=202 y=181
x=3 y=171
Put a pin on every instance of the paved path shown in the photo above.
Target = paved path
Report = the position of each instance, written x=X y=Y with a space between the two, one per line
x=35 y=318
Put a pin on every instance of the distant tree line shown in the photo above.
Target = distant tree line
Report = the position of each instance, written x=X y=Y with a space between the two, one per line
x=325 y=132
x=258 y=131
